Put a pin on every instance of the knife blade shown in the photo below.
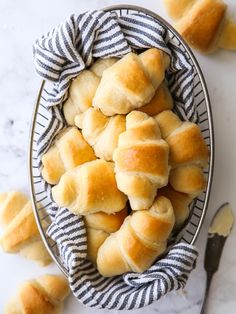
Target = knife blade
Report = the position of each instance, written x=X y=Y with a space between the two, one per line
x=218 y=232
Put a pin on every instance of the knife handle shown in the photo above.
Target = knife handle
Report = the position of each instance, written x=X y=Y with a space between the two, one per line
x=208 y=283
x=215 y=245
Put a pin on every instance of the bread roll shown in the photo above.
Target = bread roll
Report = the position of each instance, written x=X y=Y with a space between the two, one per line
x=161 y=101
x=131 y=82
x=180 y=203
x=11 y=204
x=188 y=153
x=43 y=295
x=69 y=150
x=204 y=24
x=90 y=188
x=99 y=226
x=141 y=160
x=21 y=233
x=83 y=88
x=101 y=132
x=140 y=240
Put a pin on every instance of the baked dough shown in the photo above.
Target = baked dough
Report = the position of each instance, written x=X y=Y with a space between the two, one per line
x=204 y=24
x=90 y=188
x=188 y=153
x=140 y=240
x=43 y=295
x=131 y=82
x=68 y=151
x=20 y=232
x=83 y=88
x=141 y=160
x=100 y=131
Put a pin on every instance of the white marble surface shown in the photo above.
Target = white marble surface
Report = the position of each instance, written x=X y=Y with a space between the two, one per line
x=21 y=22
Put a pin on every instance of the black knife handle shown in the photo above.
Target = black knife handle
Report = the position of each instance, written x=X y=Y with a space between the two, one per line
x=214 y=247
x=215 y=244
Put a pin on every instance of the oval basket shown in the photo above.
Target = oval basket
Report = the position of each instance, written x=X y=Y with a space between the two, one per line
x=40 y=200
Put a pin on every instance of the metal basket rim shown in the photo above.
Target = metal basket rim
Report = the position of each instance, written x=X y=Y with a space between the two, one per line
x=210 y=122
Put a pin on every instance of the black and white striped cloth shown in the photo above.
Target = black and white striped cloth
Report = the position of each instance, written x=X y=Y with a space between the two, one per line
x=59 y=56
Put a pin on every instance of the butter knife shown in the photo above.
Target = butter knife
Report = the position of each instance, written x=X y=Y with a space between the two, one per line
x=218 y=232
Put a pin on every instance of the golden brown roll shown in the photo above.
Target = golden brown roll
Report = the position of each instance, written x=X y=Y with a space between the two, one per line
x=140 y=240
x=188 y=153
x=11 y=204
x=69 y=150
x=204 y=24
x=141 y=160
x=131 y=82
x=161 y=101
x=21 y=233
x=90 y=188
x=99 y=226
x=100 y=131
x=201 y=26
x=180 y=202
x=83 y=88
x=43 y=295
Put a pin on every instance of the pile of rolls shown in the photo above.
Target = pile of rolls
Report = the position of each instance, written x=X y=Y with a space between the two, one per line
x=126 y=162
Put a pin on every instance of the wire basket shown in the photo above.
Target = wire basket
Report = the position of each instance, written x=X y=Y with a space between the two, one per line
x=40 y=199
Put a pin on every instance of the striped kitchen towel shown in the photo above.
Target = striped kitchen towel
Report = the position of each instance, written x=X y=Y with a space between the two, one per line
x=59 y=57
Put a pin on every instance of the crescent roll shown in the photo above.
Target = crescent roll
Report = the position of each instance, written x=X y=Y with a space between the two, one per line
x=99 y=226
x=100 y=131
x=83 y=88
x=204 y=24
x=90 y=188
x=131 y=82
x=140 y=240
x=20 y=232
x=141 y=160
x=43 y=295
x=180 y=202
x=188 y=153
x=69 y=150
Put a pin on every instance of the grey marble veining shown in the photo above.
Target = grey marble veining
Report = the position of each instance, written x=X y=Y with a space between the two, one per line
x=21 y=22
